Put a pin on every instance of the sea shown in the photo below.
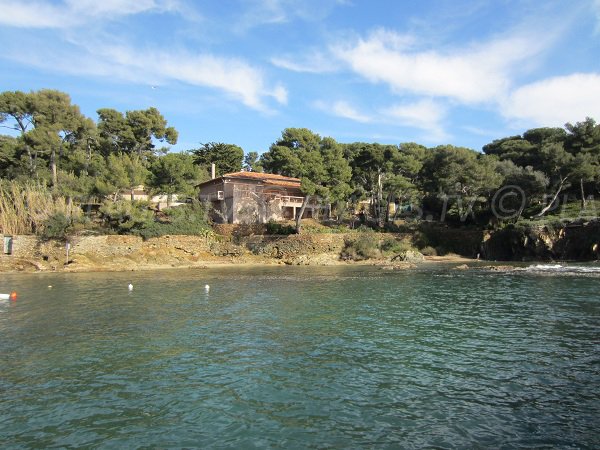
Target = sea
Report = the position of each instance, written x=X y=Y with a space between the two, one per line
x=303 y=357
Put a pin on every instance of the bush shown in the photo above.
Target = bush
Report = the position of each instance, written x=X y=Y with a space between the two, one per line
x=428 y=251
x=392 y=245
x=126 y=217
x=279 y=228
x=365 y=246
x=55 y=227
x=188 y=220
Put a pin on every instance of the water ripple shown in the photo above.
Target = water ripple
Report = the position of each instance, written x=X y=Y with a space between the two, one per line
x=301 y=357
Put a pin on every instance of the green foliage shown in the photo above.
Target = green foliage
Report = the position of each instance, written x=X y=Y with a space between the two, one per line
x=226 y=157
x=60 y=227
x=189 y=220
x=55 y=227
x=391 y=245
x=252 y=162
x=428 y=251
x=278 y=228
x=126 y=217
x=133 y=132
x=175 y=173
x=319 y=162
x=72 y=157
x=364 y=246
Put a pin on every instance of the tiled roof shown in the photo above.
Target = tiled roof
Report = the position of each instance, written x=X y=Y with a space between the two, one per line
x=266 y=178
x=261 y=176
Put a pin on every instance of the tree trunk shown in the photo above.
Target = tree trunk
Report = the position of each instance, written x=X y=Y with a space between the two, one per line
x=583 y=199
x=70 y=208
x=53 y=168
x=387 y=208
x=301 y=213
x=549 y=205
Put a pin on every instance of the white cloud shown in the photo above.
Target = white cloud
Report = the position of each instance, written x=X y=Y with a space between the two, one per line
x=555 y=101
x=474 y=74
x=342 y=108
x=45 y=14
x=425 y=114
x=32 y=15
x=268 y=12
x=316 y=62
x=235 y=77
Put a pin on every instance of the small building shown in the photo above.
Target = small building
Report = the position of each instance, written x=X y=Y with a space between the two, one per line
x=253 y=197
x=137 y=193
x=161 y=201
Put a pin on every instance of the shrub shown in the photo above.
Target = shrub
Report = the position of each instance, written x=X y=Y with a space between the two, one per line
x=54 y=227
x=428 y=251
x=279 y=228
x=126 y=217
x=392 y=245
x=441 y=251
x=189 y=220
x=365 y=246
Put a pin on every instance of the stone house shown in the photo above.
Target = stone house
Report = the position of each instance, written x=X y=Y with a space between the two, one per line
x=254 y=197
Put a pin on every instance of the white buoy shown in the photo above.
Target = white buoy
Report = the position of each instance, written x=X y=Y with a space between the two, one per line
x=130 y=287
x=50 y=287
x=206 y=287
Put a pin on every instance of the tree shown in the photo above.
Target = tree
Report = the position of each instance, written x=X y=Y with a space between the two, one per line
x=121 y=172
x=583 y=141
x=455 y=174
x=371 y=165
x=252 y=162
x=320 y=164
x=175 y=173
x=133 y=133
x=8 y=156
x=227 y=158
x=18 y=106
x=544 y=150
x=49 y=125
x=520 y=187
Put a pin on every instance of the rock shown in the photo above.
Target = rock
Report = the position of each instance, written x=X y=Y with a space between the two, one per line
x=410 y=256
x=400 y=266
x=499 y=268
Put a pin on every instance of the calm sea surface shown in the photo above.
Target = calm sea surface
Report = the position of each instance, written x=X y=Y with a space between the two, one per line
x=294 y=357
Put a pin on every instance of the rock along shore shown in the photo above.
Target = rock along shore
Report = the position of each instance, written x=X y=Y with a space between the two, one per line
x=126 y=253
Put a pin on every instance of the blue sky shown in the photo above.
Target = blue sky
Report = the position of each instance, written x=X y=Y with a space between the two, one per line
x=240 y=71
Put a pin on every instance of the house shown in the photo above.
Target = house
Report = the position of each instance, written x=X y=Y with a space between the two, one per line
x=137 y=193
x=253 y=197
x=161 y=201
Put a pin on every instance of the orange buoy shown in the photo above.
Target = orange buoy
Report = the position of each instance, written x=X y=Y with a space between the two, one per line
x=13 y=296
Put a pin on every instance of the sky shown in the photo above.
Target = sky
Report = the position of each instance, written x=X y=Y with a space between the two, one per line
x=435 y=72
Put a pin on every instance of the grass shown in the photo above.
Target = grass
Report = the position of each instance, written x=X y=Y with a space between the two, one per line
x=25 y=209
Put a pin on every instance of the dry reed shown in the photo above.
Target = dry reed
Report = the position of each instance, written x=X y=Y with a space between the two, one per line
x=25 y=208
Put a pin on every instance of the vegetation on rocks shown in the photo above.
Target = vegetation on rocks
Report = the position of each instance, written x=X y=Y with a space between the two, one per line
x=55 y=160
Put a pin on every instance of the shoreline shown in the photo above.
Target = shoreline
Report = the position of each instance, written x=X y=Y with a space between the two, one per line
x=122 y=253
x=30 y=266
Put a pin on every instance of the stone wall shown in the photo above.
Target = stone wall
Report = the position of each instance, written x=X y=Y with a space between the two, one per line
x=22 y=246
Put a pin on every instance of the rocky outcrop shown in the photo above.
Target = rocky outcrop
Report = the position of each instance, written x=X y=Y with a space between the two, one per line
x=409 y=256
x=576 y=241
x=289 y=248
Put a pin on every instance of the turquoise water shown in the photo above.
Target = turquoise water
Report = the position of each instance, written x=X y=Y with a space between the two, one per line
x=293 y=357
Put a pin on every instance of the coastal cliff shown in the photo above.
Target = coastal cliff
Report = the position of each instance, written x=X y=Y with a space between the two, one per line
x=574 y=241
x=571 y=241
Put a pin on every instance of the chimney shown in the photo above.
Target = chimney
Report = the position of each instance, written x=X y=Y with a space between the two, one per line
x=212 y=171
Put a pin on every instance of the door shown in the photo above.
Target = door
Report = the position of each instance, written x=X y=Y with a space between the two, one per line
x=8 y=245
